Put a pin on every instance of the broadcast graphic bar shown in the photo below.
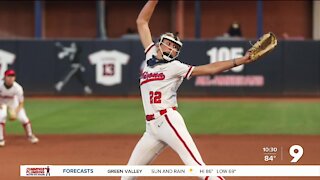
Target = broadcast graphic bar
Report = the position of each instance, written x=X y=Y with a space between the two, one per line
x=239 y=170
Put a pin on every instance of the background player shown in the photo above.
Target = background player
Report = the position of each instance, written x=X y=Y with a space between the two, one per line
x=159 y=82
x=11 y=97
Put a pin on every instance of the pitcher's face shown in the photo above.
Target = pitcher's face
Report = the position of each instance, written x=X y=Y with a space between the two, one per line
x=169 y=46
x=168 y=50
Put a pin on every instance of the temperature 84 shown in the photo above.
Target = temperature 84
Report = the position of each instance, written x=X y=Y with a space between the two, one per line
x=269 y=158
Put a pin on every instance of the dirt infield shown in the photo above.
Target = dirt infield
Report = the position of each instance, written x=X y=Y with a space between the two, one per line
x=116 y=149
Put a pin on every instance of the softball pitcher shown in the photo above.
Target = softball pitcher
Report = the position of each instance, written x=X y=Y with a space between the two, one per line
x=159 y=82
x=11 y=106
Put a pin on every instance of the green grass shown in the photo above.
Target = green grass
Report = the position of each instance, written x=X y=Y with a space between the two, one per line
x=120 y=116
x=252 y=117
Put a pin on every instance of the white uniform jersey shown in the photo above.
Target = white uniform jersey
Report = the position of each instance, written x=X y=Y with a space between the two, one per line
x=159 y=83
x=11 y=96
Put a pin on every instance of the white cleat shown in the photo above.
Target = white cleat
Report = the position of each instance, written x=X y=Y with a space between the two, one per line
x=2 y=143
x=33 y=139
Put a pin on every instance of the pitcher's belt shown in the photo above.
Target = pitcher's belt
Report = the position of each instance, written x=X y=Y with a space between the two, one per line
x=151 y=117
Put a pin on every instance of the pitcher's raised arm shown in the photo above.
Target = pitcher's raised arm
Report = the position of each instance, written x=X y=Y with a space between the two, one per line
x=143 y=22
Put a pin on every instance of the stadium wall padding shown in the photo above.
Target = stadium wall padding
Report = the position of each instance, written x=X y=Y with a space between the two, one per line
x=292 y=69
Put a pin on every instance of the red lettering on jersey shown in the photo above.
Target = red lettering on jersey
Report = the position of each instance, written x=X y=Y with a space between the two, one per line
x=7 y=97
x=147 y=77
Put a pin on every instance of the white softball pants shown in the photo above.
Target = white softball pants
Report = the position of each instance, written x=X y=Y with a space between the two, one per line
x=21 y=116
x=167 y=130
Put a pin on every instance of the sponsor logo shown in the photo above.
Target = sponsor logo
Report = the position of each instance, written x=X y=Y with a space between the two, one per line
x=231 y=81
x=38 y=171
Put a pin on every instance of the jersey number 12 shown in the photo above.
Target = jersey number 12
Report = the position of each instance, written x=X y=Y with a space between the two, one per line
x=155 y=97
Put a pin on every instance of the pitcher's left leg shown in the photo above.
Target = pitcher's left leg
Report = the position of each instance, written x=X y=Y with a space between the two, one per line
x=180 y=140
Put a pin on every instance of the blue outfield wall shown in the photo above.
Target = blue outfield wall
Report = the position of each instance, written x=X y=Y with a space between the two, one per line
x=112 y=67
